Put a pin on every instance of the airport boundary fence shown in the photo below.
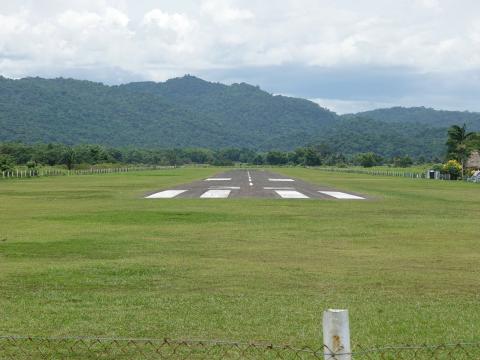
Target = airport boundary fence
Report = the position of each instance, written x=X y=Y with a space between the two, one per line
x=407 y=174
x=48 y=348
x=30 y=173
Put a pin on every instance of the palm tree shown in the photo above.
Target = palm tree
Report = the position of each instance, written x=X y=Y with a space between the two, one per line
x=457 y=144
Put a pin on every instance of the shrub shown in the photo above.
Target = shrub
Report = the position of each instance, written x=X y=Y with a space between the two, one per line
x=454 y=168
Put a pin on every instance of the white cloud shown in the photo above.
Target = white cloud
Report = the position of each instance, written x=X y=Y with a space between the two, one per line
x=223 y=33
x=429 y=4
x=79 y=21
x=12 y=24
x=158 y=41
x=351 y=106
x=179 y=23
x=222 y=12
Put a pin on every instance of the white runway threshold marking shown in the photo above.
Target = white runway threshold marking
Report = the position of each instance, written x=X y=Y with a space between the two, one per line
x=281 y=180
x=224 y=187
x=291 y=194
x=218 y=179
x=341 y=195
x=167 y=194
x=216 y=194
x=278 y=188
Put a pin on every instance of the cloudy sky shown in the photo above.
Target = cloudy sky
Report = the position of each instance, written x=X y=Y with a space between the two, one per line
x=347 y=55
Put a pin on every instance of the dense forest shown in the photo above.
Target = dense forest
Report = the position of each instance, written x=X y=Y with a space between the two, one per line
x=189 y=112
x=72 y=112
x=424 y=116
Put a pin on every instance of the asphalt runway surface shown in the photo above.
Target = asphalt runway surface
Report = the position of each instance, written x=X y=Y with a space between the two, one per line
x=252 y=184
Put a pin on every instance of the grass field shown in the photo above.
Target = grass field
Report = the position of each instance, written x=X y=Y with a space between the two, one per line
x=88 y=256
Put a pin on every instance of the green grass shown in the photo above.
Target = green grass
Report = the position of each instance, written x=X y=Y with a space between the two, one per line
x=86 y=255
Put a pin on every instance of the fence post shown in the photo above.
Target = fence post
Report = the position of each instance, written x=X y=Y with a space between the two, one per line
x=336 y=335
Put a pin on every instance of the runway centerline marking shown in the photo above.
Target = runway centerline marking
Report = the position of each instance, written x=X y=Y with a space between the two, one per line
x=167 y=194
x=341 y=195
x=216 y=194
x=250 y=182
x=291 y=194
x=281 y=180
x=218 y=179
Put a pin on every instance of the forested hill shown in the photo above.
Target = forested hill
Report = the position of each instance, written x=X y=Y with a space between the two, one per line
x=179 y=113
x=190 y=112
x=424 y=116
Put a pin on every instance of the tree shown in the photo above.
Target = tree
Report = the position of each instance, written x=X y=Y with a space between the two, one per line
x=403 y=161
x=276 y=158
x=68 y=158
x=6 y=163
x=259 y=159
x=312 y=158
x=457 y=144
x=368 y=159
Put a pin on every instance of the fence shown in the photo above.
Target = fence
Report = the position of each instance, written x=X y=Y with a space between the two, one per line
x=413 y=175
x=63 y=172
x=149 y=349
x=336 y=338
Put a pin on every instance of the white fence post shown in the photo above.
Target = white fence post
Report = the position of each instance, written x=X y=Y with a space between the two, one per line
x=336 y=335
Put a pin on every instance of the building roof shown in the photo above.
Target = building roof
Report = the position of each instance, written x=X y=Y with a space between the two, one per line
x=473 y=161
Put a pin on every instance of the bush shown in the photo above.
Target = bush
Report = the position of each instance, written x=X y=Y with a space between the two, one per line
x=453 y=168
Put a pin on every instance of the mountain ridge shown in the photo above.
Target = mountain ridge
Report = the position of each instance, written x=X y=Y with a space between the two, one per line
x=191 y=112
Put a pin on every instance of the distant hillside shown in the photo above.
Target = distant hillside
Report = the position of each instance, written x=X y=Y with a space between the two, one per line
x=179 y=113
x=190 y=112
x=424 y=116
x=357 y=134
x=245 y=110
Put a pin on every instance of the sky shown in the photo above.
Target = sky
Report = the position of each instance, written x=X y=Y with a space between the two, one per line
x=346 y=55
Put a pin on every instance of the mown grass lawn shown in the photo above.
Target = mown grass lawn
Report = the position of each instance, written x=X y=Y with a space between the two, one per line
x=87 y=255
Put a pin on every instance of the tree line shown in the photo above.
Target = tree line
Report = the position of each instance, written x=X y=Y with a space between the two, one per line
x=19 y=154
x=459 y=145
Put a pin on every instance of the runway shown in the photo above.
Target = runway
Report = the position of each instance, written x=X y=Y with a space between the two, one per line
x=252 y=184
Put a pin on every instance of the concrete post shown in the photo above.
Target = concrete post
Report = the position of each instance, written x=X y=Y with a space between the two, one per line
x=336 y=335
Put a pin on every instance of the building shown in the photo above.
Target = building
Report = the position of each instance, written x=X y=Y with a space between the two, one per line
x=473 y=161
